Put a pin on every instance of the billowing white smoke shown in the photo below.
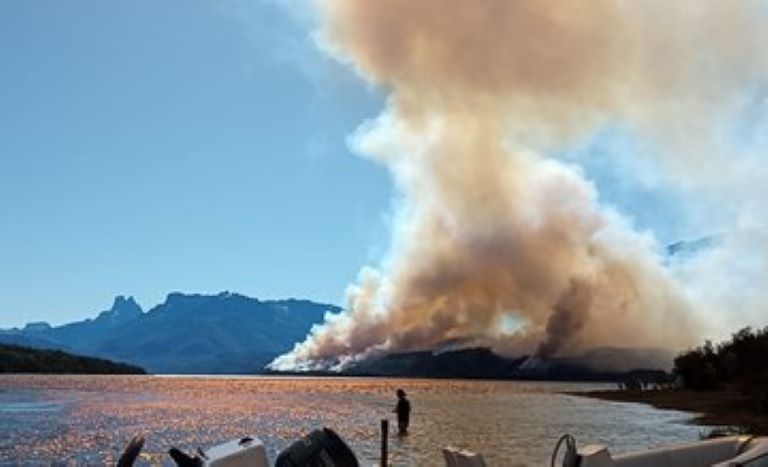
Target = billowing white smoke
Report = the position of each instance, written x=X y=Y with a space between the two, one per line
x=496 y=242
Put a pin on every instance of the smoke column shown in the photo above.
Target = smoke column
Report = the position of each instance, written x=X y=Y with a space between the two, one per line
x=497 y=242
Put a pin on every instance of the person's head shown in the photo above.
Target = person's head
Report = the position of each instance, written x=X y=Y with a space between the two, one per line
x=400 y=394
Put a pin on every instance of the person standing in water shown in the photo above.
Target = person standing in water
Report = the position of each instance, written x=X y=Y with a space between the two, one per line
x=403 y=410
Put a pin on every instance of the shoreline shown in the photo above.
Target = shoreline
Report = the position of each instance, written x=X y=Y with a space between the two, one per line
x=713 y=408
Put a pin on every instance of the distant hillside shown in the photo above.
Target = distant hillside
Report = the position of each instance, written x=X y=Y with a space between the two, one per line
x=482 y=363
x=17 y=359
x=188 y=333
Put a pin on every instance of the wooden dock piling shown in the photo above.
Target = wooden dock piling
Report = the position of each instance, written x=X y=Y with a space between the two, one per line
x=384 y=442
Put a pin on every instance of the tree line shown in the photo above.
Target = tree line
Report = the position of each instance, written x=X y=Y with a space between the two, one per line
x=18 y=359
x=740 y=363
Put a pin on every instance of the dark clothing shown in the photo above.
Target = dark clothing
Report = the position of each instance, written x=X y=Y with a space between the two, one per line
x=403 y=410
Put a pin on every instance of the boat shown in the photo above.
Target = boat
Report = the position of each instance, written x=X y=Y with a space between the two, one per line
x=319 y=448
x=726 y=451
x=324 y=448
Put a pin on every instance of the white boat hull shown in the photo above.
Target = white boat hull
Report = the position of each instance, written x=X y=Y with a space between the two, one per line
x=728 y=451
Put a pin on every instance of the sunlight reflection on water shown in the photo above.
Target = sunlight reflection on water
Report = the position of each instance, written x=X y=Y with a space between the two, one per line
x=89 y=419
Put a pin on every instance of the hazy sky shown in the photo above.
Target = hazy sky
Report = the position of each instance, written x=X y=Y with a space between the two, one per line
x=195 y=146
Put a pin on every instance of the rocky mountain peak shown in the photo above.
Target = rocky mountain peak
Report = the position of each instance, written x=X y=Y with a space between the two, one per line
x=123 y=309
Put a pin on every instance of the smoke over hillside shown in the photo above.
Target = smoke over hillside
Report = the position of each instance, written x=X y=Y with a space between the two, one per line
x=498 y=243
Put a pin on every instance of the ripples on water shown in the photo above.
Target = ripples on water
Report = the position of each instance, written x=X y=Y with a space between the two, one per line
x=89 y=419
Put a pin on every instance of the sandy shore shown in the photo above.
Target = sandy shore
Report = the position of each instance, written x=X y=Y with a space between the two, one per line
x=723 y=408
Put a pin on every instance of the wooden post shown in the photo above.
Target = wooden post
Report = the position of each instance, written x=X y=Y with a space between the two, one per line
x=384 y=441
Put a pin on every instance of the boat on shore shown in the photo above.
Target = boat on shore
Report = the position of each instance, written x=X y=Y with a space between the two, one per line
x=727 y=451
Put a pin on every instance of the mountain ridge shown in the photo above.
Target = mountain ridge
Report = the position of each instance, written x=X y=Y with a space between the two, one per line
x=484 y=363
x=186 y=333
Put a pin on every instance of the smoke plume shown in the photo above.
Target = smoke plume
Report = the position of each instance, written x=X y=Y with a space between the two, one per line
x=496 y=241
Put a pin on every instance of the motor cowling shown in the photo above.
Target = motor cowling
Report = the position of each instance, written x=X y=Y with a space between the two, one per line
x=320 y=448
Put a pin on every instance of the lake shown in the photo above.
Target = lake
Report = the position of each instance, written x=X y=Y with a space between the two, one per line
x=89 y=419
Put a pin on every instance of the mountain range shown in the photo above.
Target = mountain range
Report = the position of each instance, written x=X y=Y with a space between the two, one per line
x=186 y=334
x=229 y=333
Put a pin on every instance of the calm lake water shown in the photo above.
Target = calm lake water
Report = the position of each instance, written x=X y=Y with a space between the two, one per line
x=89 y=419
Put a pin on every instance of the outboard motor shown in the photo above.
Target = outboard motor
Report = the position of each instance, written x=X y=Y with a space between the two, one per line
x=248 y=451
x=320 y=448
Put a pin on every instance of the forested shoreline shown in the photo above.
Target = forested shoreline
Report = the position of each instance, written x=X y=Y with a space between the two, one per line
x=19 y=359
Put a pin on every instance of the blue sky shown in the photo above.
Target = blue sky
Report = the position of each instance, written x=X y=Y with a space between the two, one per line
x=147 y=147
x=195 y=146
